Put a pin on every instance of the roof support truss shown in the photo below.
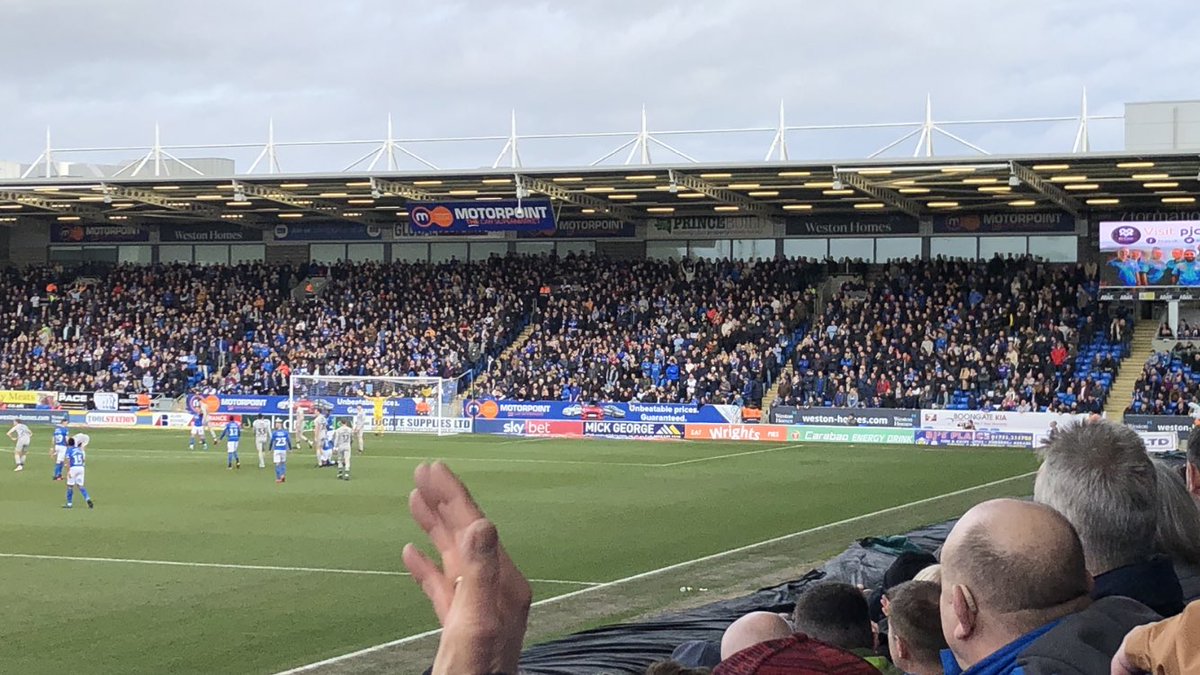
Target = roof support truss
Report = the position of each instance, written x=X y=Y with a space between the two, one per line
x=1047 y=189
x=728 y=196
x=562 y=194
x=164 y=202
x=319 y=207
x=885 y=195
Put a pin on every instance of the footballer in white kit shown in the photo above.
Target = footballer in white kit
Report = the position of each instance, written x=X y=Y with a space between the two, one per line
x=319 y=424
x=360 y=425
x=23 y=436
x=262 y=439
x=342 y=437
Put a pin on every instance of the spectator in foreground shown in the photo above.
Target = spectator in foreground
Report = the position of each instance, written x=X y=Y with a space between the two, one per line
x=1193 y=464
x=1168 y=647
x=1100 y=478
x=794 y=655
x=1014 y=597
x=837 y=614
x=752 y=629
x=915 y=639
x=480 y=597
x=1178 y=531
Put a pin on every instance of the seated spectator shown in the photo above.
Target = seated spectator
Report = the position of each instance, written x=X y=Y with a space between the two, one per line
x=1177 y=534
x=752 y=629
x=794 y=655
x=1100 y=478
x=1167 y=647
x=932 y=573
x=1015 y=597
x=915 y=639
x=905 y=567
x=1192 y=468
x=837 y=614
x=995 y=335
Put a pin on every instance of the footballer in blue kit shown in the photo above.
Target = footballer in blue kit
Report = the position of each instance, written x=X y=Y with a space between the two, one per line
x=233 y=433
x=281 y=443
x=198 y=430
x=76 y=458
x=58 y=449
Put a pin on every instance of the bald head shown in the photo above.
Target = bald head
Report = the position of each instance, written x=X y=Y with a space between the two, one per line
x=752 y=629
x=1015 y=556
x=1008 y=567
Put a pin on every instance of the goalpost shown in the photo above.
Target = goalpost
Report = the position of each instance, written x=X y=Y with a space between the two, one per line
x=407 y=405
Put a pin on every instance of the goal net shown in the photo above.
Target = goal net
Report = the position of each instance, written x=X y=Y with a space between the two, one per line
x=413 y=405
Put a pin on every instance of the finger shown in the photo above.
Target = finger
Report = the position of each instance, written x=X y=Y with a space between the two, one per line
x=433 y=583
x=452 y=499
x=430 y=521
x=480 y=589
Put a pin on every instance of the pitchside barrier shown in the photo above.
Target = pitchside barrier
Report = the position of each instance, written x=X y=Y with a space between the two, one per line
x=927 y=427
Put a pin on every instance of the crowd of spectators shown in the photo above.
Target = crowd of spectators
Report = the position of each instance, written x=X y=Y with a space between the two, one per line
x=1007 y=334
x=240 y=329
x=1169 y=383
x=661 y=331
x=1091 y=576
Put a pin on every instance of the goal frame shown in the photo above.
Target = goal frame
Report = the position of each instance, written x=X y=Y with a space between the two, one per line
x=441 y=420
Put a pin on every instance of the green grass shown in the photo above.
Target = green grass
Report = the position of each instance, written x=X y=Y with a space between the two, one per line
x=568 y=510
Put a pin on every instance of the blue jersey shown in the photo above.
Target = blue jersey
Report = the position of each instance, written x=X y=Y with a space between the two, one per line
x=327 y=444
x=75 y=456
x=61 y=434
x=233 y=431
x=1189 y=273
x=198 y=420
x=281 y=441
x=1127 y=271
x=1155 y=271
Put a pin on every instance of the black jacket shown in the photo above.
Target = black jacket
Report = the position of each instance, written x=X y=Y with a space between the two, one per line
x=1085 y=642
x=1152 y=583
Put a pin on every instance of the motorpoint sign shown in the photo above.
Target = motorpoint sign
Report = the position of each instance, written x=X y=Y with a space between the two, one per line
x=884 y=436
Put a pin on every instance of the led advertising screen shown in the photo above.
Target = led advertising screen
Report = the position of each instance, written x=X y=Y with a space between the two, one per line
x=1163 y=253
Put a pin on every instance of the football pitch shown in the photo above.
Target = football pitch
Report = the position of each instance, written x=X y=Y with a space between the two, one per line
x=187 y=567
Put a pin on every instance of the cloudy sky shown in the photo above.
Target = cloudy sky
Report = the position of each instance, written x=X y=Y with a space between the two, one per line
x=102 y=73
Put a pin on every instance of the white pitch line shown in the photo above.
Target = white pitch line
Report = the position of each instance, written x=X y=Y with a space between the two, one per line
x=731 y=455
x=668 y=568
x=236 y=566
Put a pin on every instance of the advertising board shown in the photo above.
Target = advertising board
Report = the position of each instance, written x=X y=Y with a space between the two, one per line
x=632 y=429
x=736 y=432
x=846 y=417
x=819 y=434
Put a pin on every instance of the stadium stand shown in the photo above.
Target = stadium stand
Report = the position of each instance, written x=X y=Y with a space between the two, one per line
x=652 y=331
x=1168 y=383
x=1007 y=334
x=661 y=331
x=236 y=329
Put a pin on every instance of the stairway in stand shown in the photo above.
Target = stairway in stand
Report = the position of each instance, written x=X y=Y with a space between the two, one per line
x=773 y=392
x=517 y=344
x=1140 y=349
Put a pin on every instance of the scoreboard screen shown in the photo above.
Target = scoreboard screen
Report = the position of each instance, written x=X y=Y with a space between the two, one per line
x=1164 y=253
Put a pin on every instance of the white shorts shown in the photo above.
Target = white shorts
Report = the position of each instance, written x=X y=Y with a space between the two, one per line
x=60 y=454
x=75 y=476
x=233 y=447
x=262 y=443
x=198 y=431
x=279 y=457
x=22 y=446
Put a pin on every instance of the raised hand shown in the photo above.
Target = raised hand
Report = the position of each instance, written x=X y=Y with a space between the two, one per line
x=480 y=597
